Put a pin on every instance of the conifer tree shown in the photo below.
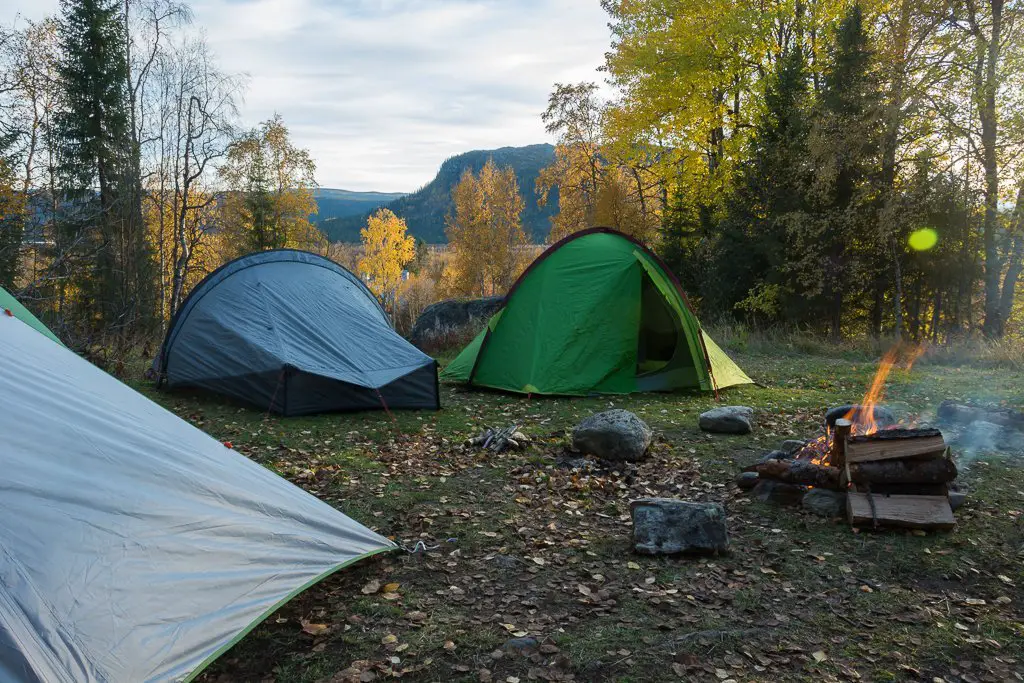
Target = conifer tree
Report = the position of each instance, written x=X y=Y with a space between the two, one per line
x=94 y=145
x=769 y=198
x=837 y=248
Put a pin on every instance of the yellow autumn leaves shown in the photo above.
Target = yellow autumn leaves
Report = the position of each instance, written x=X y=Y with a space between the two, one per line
x=387 y=249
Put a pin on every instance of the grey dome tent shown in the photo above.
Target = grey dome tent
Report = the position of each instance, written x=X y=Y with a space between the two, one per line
x=134 y=547
x=294 y=333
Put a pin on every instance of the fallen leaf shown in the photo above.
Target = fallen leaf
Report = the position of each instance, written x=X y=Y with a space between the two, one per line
x=866 y=589
x=722 y=674
x=974 y=601
x=819 y=656
x=391 y=587
x=960 y=627
x=449 y=645
x=313 y=629
x=371 y=587
x=766 y=570
x=416 y=616
x=389 y=639
x=633 y=565
x=1005 y=579
x=538 y=560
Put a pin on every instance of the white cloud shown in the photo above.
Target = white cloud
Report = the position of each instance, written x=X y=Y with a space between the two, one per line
x=382 y=91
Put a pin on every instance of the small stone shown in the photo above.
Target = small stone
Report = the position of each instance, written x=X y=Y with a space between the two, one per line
x=506 y=561
x=727 y=420
x=791 y=446
x=770 y=491
x=666 y=526
x=773 y=455
x=613 y=435
x=957 y=498
x=521 y=646
x=825 y=502
x=747 y=480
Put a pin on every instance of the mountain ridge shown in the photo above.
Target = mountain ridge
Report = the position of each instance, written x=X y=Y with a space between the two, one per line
x=338 y=203
x=425 y=209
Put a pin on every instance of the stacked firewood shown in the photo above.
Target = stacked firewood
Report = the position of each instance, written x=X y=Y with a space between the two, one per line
x=898 y=477
x=892 y=477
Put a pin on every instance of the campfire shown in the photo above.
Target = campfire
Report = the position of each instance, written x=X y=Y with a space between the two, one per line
x=861 y=419
x=890 y=474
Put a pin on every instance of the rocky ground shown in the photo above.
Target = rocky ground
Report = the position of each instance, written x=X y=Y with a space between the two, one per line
x=523 y=566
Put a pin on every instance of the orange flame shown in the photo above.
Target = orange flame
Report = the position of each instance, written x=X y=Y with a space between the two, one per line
x=864 y=418
x=820 y=450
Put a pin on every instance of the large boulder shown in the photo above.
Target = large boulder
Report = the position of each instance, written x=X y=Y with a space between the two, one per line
x=452 y=319
x=727 y=420
x=666 y=526
x=613 y=435
x=884 y=417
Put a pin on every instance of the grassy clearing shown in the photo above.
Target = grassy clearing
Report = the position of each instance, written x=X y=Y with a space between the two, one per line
x=525 y=548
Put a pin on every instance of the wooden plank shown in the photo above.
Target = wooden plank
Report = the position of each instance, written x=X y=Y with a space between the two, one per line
x=916 y=512
x=859 y=450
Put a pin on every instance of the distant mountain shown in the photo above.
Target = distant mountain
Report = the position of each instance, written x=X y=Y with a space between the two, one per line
x=424 y=210
x=343 y=203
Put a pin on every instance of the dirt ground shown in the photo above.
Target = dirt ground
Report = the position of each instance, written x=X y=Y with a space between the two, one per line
x=525 y=572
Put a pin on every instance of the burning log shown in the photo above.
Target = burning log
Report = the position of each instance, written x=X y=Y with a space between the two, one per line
x=906 y=471
x=843 y=427
x=799 y=472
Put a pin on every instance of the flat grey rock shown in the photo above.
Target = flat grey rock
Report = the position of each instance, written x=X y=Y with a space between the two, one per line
x=727 y=420
x=613 y=435
x=824 y=502
x=957 y=498
x=668 y=526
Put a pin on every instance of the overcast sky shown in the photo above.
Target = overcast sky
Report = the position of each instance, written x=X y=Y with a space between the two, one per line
x=382 y=91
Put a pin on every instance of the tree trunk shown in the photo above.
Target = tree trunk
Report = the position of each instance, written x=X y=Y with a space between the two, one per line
x=1015 y=260
x=990 y=162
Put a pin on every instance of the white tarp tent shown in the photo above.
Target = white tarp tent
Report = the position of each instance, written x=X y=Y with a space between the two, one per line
x=134 y=547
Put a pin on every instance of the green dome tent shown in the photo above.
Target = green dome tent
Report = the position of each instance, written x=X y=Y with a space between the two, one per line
x=597 y=312
x=9 y=303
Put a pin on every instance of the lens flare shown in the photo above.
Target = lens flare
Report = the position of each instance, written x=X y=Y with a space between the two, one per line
x=923 y=239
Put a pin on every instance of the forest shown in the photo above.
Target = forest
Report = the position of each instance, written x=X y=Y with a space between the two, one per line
x=847 y=169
